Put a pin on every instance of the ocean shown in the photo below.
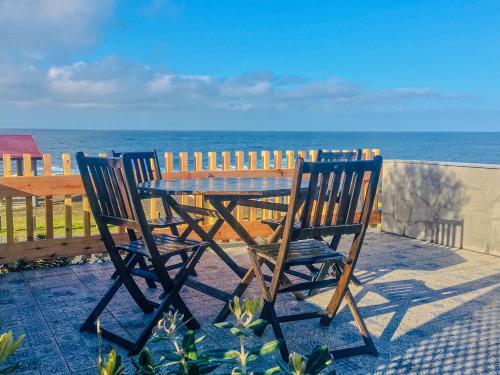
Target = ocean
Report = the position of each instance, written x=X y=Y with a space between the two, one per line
x=469 y=147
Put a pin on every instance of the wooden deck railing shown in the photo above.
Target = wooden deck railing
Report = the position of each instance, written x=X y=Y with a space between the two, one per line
x=47 y=216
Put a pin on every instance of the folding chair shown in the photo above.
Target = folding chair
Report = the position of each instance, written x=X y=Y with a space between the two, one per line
x=114 y=200
x=323 y=215
x=321 y=156
x=146 y=167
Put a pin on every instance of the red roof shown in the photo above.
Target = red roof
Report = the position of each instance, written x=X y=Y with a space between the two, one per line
x=18 y=144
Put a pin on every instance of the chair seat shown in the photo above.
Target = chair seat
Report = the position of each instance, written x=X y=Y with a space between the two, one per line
x=301 y=253
x=167 y=244
x=165 y=222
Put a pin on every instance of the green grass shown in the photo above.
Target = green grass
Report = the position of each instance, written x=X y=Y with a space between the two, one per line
x=39 y=214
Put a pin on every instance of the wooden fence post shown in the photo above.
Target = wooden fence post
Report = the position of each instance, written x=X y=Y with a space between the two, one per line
x=266 y=165
x=278 y=164
x=29 y=200
x=240 y=165
x=198 y=166
x=49 y=203
x=252 y=165
x=212 y=166
x=68 y=201
x=9 y=211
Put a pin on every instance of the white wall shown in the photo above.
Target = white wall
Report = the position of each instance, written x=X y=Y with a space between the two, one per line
x=447 y=203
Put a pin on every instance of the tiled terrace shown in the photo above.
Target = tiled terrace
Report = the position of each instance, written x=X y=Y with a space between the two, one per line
x=430 y=309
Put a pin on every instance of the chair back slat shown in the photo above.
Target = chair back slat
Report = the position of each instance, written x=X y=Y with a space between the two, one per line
x=105 y=186
x=344 y=198
x=146 y=165
x=309 y=202
x=322 y=155
x=332 y=198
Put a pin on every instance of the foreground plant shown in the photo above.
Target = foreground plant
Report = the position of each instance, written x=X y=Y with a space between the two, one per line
x=315 y=363
x=7 y=348
x=244 y=326
x=182 y=356
x=112 y=365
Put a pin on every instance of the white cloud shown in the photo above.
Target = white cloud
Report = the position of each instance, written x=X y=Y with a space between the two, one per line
x=114 y=83
x=33 y=29
x=63 y=80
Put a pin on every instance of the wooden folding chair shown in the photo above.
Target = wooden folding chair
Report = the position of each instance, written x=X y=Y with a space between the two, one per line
x=146 y=167
x=114 y=200
x=323 y=215
x=321 y=156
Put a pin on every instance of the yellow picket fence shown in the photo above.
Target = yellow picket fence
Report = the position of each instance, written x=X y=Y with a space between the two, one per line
x=47 y=216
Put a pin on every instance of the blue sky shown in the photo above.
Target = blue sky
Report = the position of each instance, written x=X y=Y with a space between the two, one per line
x=246 y=65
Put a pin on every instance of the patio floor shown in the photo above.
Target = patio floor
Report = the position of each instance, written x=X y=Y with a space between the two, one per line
x=430 y=309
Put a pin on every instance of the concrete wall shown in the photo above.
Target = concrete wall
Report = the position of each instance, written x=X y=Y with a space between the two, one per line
x=451 y=204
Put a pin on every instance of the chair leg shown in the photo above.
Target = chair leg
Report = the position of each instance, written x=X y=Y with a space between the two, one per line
x=126 y=260
x=339 y=294
x=240 y=289
x=142 y=264
x=172 y=298
x=184 y=234
x=133 y=289
x=268 y=308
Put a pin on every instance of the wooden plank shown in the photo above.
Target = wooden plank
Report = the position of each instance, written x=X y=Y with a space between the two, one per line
x=226 y=160
x=169 y=162
x=184 y=166
x=212 y=161
x=198 y=166
x=47 y=249
x=377 y=207
x=226 y=163
x=313 y=155
x=266 y=165
x=240 y=165
x=49 y=204
x=212 y=167
x=290 y=164
x=278 y=164
x=9 y=212
x=302 y=154
x=27 y=166
x=252 y=166
x=68 y=201
x=153 y=202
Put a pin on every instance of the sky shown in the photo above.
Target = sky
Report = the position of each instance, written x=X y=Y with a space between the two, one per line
x=250 y=65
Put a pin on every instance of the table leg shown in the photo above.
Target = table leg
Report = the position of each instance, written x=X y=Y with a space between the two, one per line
x=208 y=236
x=226 y=213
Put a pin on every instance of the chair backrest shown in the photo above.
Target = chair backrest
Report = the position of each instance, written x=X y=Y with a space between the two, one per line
x=338 y=200
x=322 y=155
x=113 y=197
x=145 y=165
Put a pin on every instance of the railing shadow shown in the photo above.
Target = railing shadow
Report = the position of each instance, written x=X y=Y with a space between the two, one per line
x=424 y=202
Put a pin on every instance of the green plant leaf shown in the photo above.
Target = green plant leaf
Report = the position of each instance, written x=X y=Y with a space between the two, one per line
x=239 y=332
x=267 y=348
x=209 y=367
x=318 y=359
x=272 y=370
x=296 y=363
x=226 y=325
x=222 y=353
x=282 y=364
x=188 y=344
x=200 y=339
x=257 y=324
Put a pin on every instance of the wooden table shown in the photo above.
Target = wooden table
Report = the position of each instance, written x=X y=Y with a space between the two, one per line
x=224 y=194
